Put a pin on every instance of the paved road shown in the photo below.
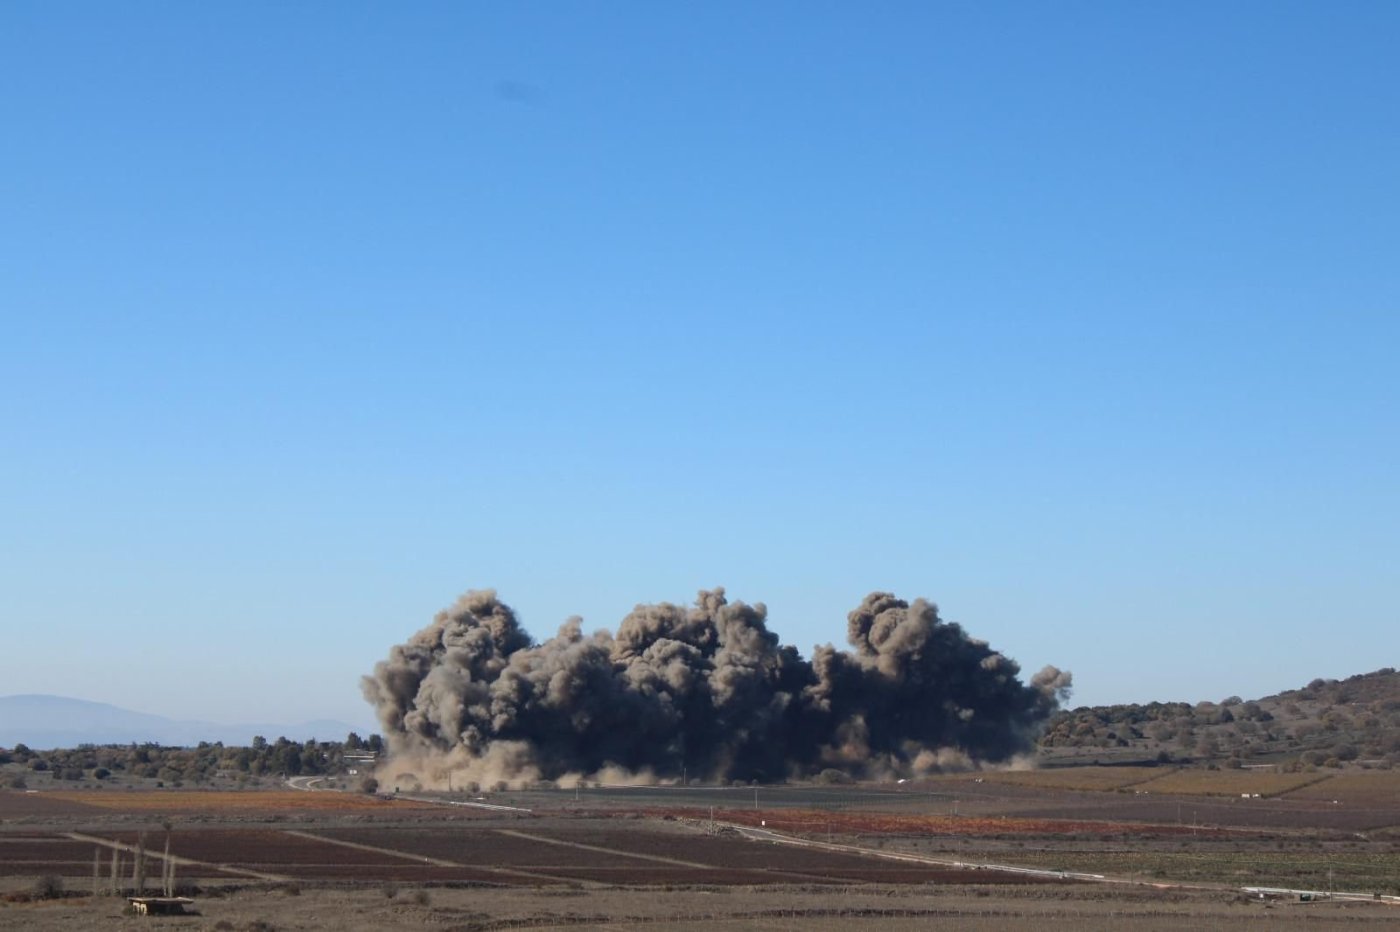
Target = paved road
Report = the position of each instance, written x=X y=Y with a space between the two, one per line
x=307 y=783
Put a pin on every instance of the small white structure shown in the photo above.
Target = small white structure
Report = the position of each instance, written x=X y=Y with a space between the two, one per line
x=159 y=905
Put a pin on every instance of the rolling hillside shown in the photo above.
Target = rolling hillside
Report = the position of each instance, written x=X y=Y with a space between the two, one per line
x=1328 y=723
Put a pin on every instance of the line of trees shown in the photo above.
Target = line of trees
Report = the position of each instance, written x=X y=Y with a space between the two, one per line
x=177 y=766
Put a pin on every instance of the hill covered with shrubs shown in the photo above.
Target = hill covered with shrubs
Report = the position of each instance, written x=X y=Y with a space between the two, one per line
x=1328 y=723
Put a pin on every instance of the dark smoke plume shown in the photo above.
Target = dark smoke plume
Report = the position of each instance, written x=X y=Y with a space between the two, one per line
x=707 y=691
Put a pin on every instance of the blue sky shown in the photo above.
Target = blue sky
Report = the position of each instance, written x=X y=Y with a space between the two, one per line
x=1079 y=319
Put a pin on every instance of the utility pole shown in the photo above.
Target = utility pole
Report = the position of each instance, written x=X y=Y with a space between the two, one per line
x=138 y=870
x=167 y=875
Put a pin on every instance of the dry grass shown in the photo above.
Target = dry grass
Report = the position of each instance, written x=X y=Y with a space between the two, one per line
x=232 y=801
x=1076 y=778
x=820 y=822
x=1355 y=871
x=781 y=909
x=1228 y=782
x=1366 y=787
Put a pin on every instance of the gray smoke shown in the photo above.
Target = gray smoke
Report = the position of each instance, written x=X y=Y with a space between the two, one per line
x=705 y=690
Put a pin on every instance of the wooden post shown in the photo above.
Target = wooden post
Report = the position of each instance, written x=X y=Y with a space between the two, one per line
x=138 y=871
x=165 y=873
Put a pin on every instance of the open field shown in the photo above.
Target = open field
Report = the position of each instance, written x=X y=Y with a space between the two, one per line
x=874 y=824
x=1076 y=778
x=652 y=852
x=1229 y=782
x=226 y=801
x=35 y=854
x=962 y=804
x=1338 y=869
x=497 y=852
x=32 y=805
x=676 y=857
x=764 y=909
x=1367 y=788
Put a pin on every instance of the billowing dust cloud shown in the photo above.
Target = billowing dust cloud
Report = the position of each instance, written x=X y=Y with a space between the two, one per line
x=706 y=692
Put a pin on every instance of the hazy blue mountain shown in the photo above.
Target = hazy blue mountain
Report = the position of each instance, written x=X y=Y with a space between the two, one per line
x=44 y=722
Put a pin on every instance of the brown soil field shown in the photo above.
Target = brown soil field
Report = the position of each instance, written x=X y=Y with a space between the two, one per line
x=19 y=804
x=727 y=849
x=1075 y=778
x=349 y=862
x=215 y=801
x=1369 y=788
x=476 y=847
x=1137 y=807
x=35 y=855
x=1228 y=782
x=647 y=854
x=399 y=872
x=291 y=855
x=871 y=823
x=553 y=850
x=660 y=874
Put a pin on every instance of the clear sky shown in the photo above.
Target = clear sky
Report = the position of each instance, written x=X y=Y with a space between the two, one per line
x=1080 y=319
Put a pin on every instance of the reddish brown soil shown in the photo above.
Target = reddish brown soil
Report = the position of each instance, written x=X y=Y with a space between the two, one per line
x=232 y=801
x=273 y=849
x=35 y=855
x=471 y=846
x=651 y=874
x=1365 y=802
x=720 y=851
x=395 y=870
x=490 y=855
x=18 y=804
x=630 y=850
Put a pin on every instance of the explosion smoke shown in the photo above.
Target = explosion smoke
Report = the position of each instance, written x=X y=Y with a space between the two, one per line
x=707 y=691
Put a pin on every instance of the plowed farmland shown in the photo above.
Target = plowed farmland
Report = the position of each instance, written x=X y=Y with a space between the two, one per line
x=36 y=854
x=229 y=802
x=644 y=854
x=659 y=855
x=20 y=804
x=1371 y=789
x=294 y=855
x=552 y=851
x=869 y=823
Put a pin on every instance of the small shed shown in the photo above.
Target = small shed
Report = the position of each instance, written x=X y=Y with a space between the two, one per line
x=159 y=905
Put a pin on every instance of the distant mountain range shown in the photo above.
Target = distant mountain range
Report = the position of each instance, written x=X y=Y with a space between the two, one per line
x=44 y=722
